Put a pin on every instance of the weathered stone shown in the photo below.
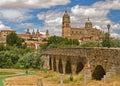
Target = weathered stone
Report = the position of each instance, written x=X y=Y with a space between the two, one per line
x=106 y=57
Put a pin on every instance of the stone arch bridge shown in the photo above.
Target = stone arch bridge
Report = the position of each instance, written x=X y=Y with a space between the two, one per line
x=73 y=60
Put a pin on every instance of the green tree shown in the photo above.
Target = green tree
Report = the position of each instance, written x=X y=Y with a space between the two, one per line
x=30 y=60
x=115 y=42
x=90 y=44
x=60 y=42
x=13 y=40
x=2 y=47
x=106 y=41
x=26 y=61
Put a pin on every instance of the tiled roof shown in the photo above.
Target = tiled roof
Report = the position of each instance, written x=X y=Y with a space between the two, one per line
x=24 y=35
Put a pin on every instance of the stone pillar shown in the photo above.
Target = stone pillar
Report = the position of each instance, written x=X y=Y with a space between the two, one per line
x=46 y=62
x=57 y=62
x=73 y=68
x=64 y=65
x=40 y=82
x=52 y=63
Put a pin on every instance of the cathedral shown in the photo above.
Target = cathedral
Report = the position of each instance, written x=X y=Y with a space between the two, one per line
x=84 y=35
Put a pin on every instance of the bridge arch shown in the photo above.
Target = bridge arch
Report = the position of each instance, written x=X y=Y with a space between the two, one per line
x=60 y=66
x=54 y=64
x=79 y=67
x=50 y=63
x=98 y=72
x=68 y=67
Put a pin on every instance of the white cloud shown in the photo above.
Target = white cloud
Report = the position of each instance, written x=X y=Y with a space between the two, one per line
x=15 y=15
x=98 y=14
x=52 y=21
x=3 y=27
x=32 y=3
x=115 y=35
x=51 y=18
x=116 y=26
x=108 y=4
x=97 y=27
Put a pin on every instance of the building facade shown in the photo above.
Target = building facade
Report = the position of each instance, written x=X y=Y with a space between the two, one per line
x=86 y=34
x=33 y=39
x=3 y=35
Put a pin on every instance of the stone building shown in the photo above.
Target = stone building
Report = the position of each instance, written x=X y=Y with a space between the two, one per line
x=31 y=39
x=86 y=34
x=3 y=35
x=35 y=35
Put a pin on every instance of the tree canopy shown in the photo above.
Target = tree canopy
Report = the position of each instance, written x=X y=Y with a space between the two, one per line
x=59 y=42
x=13 y=40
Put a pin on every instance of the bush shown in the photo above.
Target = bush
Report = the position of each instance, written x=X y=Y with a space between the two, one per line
x=71 y=77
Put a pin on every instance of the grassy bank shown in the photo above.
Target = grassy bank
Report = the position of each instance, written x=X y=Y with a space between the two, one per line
x=4 y=75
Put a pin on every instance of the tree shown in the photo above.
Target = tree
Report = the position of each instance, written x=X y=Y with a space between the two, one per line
x=13 y=40
x=2 y=47
x=30 y=60
x=60 y=42
x=26 y=61
x=90 y=44
x=106 y=40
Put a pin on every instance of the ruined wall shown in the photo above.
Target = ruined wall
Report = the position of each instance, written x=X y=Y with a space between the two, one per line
x=73 y=60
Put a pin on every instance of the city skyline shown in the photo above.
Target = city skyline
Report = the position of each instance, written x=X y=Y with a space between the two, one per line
x=47 y=14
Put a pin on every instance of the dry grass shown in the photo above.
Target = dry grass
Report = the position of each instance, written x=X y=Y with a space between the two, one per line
x=51 y=78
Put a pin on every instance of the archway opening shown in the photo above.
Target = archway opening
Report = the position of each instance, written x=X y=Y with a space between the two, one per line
x=79 y=67
x=68 y=68
x=50 y=63
x=54 y=64
x=60 y=66
x=98 y=73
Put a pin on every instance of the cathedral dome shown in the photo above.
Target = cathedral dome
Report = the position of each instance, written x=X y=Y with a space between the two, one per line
x=88 y=24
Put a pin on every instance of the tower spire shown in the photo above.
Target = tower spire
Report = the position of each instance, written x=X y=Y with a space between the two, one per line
x=88 y=19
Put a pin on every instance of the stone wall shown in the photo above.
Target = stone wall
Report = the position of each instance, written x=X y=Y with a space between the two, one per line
x=73 y=60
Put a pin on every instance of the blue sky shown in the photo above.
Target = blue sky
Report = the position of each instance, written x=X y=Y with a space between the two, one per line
x=47 y=14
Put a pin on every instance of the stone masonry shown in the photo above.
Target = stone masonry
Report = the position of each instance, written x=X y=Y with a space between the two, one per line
x=73 y=60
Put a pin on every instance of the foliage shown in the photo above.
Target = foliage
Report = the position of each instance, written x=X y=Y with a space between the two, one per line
x=59 y=42
x=30 y=60
x=90 y=44
x=98 y=73
x=113 y=41
x=13 y=40
x=105 y=40
x=2 y=47
x=8 y=59
x=71 y=77
x=11 y=56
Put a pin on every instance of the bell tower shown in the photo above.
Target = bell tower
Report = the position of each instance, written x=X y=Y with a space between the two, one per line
x=66 y=28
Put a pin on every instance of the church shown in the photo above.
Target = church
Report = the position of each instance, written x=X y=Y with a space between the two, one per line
x=84 y=35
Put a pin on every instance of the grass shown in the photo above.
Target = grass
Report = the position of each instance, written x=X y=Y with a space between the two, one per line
x=12 y=74
x=6 y=73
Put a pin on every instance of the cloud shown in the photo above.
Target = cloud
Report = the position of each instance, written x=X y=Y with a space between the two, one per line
x=98 y=14
x=115 y=35
x=3 y=27
x=32 y=3
x=52 y=21
x=15 y=15
x=108 y=4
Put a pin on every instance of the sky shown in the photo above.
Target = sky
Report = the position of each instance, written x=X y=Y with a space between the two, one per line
x=47 y=14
